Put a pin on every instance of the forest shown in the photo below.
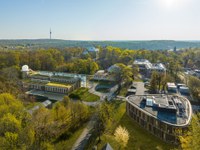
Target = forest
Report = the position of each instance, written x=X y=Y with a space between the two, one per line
x=138 y=45
x=20 y=130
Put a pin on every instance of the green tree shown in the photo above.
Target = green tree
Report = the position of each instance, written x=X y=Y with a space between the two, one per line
x=191 y=139
x=194 y=86
x=126 y=74
x=105 y=118
x=153 y=83
x=16 y=129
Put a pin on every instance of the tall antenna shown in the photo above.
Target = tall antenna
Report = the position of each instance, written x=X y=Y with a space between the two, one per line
x=50 y=33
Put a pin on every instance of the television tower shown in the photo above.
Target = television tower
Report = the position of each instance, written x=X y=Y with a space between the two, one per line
x=50 y=33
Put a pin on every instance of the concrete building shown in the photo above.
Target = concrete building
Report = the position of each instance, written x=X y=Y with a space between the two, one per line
x=146 y=67
x=161 y=115
x=184 y=90
x=171 y=87
x=49 y=83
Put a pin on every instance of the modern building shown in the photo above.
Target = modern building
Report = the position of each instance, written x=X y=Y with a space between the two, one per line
x=171 y=87
x=161 y=115
x=146 y=67
x=184 y=90
x=49 y=83
x=143 y=65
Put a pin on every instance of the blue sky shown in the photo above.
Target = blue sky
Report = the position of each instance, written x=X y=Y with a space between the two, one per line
x=100 y=19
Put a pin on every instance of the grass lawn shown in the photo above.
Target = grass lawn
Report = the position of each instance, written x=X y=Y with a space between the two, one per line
x=84 y=95
x=67 y=144
x=139 y=138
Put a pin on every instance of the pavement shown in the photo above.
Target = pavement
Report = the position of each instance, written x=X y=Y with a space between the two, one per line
x=85 y=136
x=92 y=103
x=140 y=89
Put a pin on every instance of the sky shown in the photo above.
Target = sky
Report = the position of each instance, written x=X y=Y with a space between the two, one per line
x=100 y=19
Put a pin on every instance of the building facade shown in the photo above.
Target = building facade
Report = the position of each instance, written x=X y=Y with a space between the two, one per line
x=161 y=115
x=54 y=84
x=146 y=67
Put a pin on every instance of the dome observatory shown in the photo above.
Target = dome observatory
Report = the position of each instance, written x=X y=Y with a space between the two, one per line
x=25 y=71
x=25 y=68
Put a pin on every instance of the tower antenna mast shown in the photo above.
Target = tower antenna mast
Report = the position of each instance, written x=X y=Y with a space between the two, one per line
x=50 y=33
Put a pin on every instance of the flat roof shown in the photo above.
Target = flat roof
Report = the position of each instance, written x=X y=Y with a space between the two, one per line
x=58 y=85
x=171 y=84
x=49 y=95
x=172 y=109
x=48 y=83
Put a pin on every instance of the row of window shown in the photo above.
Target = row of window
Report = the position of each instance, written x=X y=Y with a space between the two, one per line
x=158 y=128
x=62 y=80
x=35 y=86
x=54 y=89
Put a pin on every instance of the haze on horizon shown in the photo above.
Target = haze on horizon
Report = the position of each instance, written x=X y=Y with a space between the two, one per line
x=100 y=20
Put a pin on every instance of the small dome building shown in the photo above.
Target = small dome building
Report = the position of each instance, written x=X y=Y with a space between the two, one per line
x=25 y=68
x=25 y=71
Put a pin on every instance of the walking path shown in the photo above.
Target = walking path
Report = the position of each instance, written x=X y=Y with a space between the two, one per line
x=84 y=137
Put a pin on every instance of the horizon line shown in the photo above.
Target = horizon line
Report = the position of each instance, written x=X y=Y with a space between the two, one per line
x=97 y=40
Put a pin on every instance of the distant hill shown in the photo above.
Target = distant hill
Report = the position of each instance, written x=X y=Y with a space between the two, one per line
x=150 y=45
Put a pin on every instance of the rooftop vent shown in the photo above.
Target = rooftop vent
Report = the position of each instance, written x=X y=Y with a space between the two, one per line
x=149 y=102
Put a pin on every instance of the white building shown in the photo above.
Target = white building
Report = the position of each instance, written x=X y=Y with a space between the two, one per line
x=147 y=67
x=25 y=71
x=91 y=50
x=171 y=87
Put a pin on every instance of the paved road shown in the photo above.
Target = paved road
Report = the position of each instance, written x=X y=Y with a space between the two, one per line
x=84 y=137
x=139 y=88
x=92 y=103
